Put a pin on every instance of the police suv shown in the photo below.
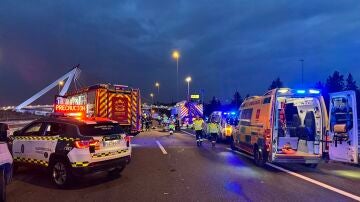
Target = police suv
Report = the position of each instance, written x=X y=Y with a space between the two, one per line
x=71 y=147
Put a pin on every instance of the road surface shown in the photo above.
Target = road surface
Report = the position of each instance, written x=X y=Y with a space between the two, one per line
x=172 y=168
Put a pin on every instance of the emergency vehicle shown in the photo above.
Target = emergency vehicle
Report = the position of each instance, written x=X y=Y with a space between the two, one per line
x=6 y=161
x=71 y=147
x=292 y=126
x=226 y=121
x=116 y=102
x=186 y=111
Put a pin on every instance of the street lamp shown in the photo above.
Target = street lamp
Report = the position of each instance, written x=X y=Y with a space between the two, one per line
x=188 y=80
x=152 y=97
x=176 y=56
x=157 y=85
x=61 y=83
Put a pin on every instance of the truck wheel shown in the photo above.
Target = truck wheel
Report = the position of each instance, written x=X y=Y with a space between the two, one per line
x=61 y=174
x=259 y=157
x=2 y=185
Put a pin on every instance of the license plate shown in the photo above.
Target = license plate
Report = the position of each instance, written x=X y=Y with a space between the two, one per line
x=111 y=143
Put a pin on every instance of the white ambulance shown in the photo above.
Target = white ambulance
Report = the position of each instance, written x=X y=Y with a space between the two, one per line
x=293 y=126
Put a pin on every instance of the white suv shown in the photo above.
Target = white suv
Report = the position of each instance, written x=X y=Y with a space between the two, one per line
x=69 y=147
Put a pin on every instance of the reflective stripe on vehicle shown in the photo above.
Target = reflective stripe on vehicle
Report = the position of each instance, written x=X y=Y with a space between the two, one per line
x=45 y=138
x=99 y=155
x=33 y=161
x=80 y=164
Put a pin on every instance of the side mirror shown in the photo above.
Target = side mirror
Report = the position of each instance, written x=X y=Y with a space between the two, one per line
x=17 y=133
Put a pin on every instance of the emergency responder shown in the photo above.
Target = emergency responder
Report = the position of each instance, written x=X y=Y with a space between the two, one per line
x=198 y=126
x=213 y=130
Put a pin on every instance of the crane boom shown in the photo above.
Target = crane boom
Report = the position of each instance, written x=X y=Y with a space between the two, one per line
x=74 y=73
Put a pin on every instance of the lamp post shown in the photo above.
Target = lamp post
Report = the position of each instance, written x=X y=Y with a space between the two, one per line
x=157 y=85
x=176 y=56
x=152 y=97
x=188 y=80
x=61 y=83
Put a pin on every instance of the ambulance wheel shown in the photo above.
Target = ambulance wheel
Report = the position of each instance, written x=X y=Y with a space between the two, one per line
x=259 y=157
x=60 y=172
x=2 y=185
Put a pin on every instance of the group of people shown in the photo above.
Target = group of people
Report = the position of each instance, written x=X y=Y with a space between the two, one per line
x=212 y=129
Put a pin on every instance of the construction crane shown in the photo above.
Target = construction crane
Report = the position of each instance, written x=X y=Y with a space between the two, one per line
x=73 y=74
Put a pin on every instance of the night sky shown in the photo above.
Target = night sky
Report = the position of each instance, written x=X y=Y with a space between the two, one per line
x=225 y=45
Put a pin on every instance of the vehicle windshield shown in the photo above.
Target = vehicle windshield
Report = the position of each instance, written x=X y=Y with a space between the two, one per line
x=102 y=129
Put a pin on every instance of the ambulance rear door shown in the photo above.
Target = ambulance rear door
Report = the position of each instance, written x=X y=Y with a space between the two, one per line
x=344 y=146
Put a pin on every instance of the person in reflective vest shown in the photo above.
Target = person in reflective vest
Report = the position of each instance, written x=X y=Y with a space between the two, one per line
x=213 y=130
x=198 y=127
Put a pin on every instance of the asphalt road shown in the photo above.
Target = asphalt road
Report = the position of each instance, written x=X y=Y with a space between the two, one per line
x=188 y=173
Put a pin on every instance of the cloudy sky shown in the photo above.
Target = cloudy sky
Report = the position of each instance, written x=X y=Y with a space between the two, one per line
x=225 y=45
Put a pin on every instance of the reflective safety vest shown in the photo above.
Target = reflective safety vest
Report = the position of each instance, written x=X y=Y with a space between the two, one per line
x=213 y=128
x=198 y=124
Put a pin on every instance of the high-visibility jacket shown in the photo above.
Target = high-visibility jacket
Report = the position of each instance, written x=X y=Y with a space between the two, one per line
x=213 y=128
x=198 y=124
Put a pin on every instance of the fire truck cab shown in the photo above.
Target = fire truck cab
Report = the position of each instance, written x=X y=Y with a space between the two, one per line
x=293 y=126
x=116 y=102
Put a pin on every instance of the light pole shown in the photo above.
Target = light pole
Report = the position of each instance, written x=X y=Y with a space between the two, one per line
x=188 y=80
x=157 y=85
x=176 y=56
x=152 y=97
x=61 y=83
x=302 y=72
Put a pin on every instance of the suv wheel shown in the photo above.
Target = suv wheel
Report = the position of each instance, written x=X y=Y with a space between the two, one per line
x=60 y=173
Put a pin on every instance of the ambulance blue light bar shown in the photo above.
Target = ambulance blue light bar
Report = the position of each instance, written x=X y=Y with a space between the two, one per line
x=300 y=91
x=312 y=91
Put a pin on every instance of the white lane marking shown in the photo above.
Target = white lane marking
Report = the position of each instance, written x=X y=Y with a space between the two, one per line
x=161 y=147
x=187 y=133
x=316 y=182
x=339 y=191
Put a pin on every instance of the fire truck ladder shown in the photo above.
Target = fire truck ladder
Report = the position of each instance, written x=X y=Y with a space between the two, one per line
x=73 y=74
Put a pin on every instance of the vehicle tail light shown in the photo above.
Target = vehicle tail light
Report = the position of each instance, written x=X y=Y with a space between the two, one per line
x=82 y=144
x=95 y=144
x=128 y=139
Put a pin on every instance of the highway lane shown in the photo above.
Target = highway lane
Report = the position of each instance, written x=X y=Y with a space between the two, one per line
x=184 y=173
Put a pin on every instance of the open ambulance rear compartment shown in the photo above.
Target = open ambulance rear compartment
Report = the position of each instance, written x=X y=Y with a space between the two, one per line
x=298 y=129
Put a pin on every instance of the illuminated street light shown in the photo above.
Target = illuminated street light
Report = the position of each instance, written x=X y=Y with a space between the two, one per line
x=176 y=56
x=157 y=85
x=152 y=97
x=188 y=80
x=61 y=83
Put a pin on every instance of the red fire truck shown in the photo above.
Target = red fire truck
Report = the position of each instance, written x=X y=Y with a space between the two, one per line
x=117 y=102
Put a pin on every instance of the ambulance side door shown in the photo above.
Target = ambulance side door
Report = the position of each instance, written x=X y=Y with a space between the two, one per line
x=343 y=124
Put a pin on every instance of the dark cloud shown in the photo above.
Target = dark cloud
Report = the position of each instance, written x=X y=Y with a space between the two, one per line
x=225 y=45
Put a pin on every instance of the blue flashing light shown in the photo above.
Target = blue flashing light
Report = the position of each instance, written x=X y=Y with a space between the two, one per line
x=300 y=91
x=312 y=91
x=233 y=113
